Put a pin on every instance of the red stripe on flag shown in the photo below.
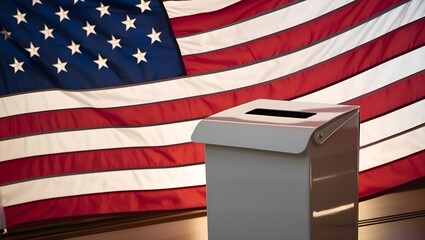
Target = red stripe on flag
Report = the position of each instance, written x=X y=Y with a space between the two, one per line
x=240 y=11
x=391 y=97
x=392 y=174
x=295 y=38
x=90 y=118
x=106 y=203
x=101 y=160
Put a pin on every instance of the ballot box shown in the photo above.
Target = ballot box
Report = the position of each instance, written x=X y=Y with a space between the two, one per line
x=281 y=170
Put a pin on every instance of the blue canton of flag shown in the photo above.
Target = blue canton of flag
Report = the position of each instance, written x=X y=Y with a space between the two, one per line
x=77 y=44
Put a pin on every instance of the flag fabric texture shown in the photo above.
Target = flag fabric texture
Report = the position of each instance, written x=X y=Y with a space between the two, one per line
x=99 y=98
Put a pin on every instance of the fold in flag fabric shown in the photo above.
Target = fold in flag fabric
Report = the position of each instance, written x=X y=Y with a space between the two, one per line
x=99 y=98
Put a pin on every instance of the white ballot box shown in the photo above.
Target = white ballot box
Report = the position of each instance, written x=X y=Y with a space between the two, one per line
x=282 y=170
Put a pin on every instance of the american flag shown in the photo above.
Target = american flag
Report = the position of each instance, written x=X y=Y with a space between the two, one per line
x=96 y=115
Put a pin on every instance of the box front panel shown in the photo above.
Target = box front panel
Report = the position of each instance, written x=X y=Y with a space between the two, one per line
x=255 y=194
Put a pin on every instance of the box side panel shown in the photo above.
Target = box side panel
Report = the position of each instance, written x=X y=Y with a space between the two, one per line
x=334 y=180
x=255 y=194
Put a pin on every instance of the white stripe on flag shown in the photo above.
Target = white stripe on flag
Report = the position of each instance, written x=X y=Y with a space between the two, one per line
x=223 y=81
x=371 y=80
x=236 y=34
x=392 y=123
x=102 y=182
x=92 y=139
x=192 y=7
x=392 y=149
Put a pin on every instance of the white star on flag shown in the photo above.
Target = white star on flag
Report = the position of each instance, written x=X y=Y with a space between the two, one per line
x=62 y=14
x=33 y=50
x=89 y=28
x=48 y=32
x=144 y=6
x=140 y=56
x=115 y=42
x=17 y=66
x=129 y=23
x=154 y=36
x=101 y=62
x=75 y=48
x=60 y=66
x=20 y=17
x=36 y=1
x=103 y=10
x=6 y=34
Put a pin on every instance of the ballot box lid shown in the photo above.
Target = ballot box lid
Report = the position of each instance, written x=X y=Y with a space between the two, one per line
x=274 y=125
